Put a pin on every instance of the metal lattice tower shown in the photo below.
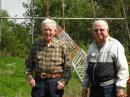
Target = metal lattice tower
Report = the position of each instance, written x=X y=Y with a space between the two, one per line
x=78 y=56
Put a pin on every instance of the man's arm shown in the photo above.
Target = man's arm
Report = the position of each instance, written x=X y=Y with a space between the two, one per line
x=67 y=65
x=122 y=73
x=85 y=83
x=29 y=68
x=29 y=65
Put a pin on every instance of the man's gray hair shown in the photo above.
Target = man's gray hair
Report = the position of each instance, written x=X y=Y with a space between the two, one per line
x=102 y=22
x=48 y=22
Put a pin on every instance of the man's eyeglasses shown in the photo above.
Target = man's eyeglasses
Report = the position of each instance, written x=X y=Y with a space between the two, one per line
x=101 y=30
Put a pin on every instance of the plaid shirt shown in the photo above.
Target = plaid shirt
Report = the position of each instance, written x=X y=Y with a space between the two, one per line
x=48 y=59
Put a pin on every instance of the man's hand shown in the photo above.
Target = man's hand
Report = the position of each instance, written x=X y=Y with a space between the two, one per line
x=84 y=92
x=32 y=82
x=60 y=85
x=120 y=93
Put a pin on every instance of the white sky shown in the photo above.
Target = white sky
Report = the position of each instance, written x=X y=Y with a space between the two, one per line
x=14 y=7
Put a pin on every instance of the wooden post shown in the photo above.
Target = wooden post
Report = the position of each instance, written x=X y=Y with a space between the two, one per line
x=63 y=14
x=129 y=52
x=128 y=85
x=47 y=8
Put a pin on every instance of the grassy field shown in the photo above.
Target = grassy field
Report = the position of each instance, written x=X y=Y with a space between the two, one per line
x=13 y=83
x=12 y=79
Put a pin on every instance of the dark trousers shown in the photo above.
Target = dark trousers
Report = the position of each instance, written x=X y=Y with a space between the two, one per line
x=46 y=88
x=103 y=91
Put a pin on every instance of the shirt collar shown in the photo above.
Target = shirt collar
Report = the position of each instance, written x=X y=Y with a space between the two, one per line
x=52 y=44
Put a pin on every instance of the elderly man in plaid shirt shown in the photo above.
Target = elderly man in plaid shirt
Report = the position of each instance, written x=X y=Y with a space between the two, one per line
x=48 y=64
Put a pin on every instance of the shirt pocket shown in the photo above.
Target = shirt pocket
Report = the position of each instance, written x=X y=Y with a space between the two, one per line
x=56 y=59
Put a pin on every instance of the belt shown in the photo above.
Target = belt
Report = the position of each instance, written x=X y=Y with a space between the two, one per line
x=105 y=83
x=53 y=75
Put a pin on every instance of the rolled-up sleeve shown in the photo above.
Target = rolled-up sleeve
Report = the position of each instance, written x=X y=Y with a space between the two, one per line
x=29 y=65
x=67 y=64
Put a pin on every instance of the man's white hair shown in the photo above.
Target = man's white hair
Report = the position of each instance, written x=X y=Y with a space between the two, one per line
x=103 y=22
x=47 y=22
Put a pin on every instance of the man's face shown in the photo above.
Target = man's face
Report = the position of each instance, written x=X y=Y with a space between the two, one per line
x=100 y=32
x=48 y=32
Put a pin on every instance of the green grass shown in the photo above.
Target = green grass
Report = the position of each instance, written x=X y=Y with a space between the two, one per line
x=13 y=82
x=12 y=79
x=73 y=89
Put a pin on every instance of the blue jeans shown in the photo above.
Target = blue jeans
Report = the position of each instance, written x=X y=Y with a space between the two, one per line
x=103 y=91
x=46 y=88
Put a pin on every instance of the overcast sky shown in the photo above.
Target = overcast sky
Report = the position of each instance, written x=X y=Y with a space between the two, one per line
x=14 y=7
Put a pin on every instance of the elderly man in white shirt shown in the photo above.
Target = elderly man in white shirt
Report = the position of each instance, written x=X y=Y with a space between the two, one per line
x=106 y=71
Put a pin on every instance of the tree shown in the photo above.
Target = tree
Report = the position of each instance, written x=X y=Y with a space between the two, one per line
x=14 y=37
x=4 y=29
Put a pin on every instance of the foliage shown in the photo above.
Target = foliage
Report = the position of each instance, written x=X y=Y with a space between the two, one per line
x=74 y=88
x=22 y=41
x=15 y=38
